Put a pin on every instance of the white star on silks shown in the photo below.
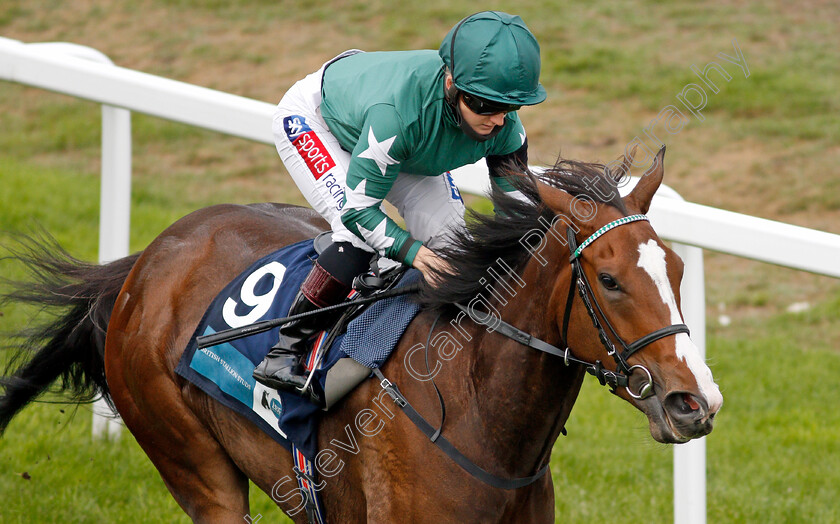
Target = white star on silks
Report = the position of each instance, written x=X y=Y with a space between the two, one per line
x=378 y=151
x=377 y=233
x=357 y=199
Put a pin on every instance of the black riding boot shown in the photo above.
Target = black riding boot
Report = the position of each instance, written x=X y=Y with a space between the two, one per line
x=282 y=368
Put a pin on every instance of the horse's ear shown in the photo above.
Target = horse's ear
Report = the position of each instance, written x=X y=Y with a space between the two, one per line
x=643 y=193
x=558 y=200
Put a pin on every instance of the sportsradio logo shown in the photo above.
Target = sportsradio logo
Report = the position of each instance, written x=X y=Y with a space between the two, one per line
x=308 y=145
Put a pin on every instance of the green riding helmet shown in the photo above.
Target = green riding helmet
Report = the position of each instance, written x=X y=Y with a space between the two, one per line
x=493 y=55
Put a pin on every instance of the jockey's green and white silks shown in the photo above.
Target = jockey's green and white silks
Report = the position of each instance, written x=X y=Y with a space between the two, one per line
x=389 y=111
x=318 y=164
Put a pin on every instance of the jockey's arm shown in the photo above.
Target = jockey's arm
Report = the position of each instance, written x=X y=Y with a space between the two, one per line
x=363 y=216
x=373 y=168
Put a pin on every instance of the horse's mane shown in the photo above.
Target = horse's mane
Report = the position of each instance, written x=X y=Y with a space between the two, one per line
x=490 y=238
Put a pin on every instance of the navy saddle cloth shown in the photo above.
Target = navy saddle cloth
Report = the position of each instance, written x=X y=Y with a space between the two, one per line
x=264 y=291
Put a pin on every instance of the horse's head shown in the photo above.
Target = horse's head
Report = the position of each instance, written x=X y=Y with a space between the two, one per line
x=633 y=280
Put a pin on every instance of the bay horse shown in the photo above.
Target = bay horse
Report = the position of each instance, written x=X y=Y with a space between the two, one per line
x=128 y=322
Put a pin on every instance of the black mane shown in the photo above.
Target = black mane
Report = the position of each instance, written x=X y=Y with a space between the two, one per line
x=490 y=238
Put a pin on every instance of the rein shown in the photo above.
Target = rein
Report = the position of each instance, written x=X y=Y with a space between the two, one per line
x=618 y=378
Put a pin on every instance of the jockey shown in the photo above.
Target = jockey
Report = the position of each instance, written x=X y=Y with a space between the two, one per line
x=368 y=127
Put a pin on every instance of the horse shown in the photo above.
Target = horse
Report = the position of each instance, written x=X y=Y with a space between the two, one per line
x=127 y=323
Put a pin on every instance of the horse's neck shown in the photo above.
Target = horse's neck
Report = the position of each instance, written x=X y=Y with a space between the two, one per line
x=522 y=396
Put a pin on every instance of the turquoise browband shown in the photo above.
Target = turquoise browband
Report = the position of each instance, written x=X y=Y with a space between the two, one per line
x=611 y=225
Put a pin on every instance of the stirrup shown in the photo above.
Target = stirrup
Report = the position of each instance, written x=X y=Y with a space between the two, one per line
x=283 y=368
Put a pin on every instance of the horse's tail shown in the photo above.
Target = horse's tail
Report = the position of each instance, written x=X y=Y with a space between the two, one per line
x=71 y=346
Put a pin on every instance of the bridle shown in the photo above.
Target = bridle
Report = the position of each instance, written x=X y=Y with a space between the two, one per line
x=620 y=377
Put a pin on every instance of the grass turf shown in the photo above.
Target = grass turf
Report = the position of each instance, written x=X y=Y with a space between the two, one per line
x=768 y=146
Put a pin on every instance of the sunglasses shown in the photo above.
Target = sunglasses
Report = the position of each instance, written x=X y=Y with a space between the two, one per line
x=484 y=107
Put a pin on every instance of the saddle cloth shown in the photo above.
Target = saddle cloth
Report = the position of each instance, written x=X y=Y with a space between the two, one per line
x=264 y=291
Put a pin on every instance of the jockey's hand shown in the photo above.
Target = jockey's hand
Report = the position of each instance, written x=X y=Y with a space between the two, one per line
x=426 y=260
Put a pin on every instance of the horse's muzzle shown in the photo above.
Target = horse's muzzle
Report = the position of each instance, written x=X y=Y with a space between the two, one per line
x=689 y=415
x=678 y=417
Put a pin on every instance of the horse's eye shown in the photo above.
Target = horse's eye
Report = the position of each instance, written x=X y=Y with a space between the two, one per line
x=608 y=281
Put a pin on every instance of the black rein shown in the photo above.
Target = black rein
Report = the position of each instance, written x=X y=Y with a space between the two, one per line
x=618 y=378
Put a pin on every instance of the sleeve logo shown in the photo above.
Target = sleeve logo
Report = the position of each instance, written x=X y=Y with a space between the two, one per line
x=310 y=147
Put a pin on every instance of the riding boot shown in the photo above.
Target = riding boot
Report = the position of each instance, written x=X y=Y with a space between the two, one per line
x=283 y=368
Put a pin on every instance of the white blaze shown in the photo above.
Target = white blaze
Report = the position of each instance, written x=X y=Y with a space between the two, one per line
x=652 y=260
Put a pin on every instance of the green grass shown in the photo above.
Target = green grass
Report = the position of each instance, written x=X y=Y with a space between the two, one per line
x=775 y=444
x=639 y=50
x=609 y=68
x=48 y=456
x=74 y=479
x=773 y=456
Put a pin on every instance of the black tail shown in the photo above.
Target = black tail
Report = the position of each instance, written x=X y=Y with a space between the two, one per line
x=71 y=346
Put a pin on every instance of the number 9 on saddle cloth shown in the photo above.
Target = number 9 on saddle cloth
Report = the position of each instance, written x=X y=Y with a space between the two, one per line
x=337 y=358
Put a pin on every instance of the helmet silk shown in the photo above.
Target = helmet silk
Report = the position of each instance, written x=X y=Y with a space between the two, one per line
x=494 y=56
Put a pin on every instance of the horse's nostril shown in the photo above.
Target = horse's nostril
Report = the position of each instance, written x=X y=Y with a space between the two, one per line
x=689 y=400
x=688 y=414
x=684 y=405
